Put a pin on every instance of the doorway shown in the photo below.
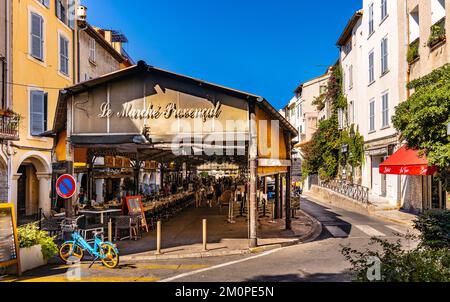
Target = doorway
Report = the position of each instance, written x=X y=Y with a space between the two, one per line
x=27 y=194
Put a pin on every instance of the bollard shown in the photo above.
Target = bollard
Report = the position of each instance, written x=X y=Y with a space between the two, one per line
x=158 y=238
x=205 y=235
x=110 y=230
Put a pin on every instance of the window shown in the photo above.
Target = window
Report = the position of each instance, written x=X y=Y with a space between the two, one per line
x=37 y=37
x=351 y=113
x=71 y=13
x=385 y=109
x=414 y=25
x=384 y=9
x=350 y=77
x=384 y=56
x=300 y=129
x=341 y=118
x=92 y=51
x=371 y=24
x=38 y=112
x=437 y=10
x=348 y=47
x=46 y=3
x=63 y=55
x=372 y=116
x=371 y=67
x=61 y=11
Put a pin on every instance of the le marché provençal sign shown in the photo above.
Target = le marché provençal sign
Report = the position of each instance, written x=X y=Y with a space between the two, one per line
x=153 y=112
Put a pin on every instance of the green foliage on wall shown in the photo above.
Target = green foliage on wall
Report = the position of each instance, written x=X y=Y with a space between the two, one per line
x=422 y=120
x=322 y=155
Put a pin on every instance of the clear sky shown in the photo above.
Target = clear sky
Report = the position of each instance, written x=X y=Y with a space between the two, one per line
x=266 y=47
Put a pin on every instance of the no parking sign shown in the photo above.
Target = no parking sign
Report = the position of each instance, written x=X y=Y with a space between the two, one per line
x=66 y=186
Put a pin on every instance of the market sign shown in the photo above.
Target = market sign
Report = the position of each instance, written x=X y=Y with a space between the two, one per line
x=162 y=109
x=9 y=246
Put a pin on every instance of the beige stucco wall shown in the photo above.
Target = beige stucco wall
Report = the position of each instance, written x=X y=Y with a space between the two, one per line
x=104 y=63
x=2 y=40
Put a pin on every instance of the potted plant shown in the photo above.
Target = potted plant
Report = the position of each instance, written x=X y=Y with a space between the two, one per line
x=36 y=247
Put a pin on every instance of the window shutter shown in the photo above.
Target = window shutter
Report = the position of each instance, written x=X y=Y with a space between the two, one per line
x=71 y=9
x=37 y=112
x=46 y=3
x=45 y=105
x=36 y=36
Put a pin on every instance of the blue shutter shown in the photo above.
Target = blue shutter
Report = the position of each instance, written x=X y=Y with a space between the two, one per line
x=37 y=110
x=37 y=36
x=72 y=12
x=46 y=3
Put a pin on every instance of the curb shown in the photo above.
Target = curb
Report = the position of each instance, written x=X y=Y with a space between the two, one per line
x=398 y=221
x=316 y=231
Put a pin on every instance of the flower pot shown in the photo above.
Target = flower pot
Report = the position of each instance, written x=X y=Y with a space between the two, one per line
x=31 y=258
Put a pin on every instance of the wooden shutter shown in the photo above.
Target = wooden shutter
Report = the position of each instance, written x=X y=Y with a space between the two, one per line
x=36 y=36
x=37 y=112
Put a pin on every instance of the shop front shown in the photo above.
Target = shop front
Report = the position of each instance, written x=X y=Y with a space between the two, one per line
x=155 y=134
x=421 y=188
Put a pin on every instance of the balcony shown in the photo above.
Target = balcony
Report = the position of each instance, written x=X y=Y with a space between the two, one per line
x=438 y=33
x=413 y=51
x=9 y=125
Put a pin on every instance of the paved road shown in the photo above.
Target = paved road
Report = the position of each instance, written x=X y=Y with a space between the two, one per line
x=319 y=260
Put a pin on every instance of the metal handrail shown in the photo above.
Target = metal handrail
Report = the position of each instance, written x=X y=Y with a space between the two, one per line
x=353 y=191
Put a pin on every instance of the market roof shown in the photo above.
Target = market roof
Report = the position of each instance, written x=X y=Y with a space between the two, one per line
x=141 y=66
x=349 y=28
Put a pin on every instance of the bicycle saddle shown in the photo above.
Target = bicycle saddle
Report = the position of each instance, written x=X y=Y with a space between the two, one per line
x=96 y=234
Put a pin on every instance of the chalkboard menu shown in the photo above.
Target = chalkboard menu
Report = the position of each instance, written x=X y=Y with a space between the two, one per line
x=8 y=236
x=134 y=204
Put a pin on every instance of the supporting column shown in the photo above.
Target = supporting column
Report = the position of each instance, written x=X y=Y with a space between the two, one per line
x=253 y=163
x=99 y=190
x=44 y=193
x=288 y=184
x=14 y=188
x=277 y=196
x=282 y=197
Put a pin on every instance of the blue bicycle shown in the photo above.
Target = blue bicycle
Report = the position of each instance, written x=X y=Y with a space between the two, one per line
x=106 y=252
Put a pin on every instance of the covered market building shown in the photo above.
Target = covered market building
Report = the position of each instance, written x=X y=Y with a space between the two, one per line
x=129 y=132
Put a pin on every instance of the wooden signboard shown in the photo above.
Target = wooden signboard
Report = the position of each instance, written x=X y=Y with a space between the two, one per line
x=9 y=244
x=134 y=204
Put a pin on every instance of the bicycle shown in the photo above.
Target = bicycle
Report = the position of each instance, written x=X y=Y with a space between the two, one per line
x=104 y=251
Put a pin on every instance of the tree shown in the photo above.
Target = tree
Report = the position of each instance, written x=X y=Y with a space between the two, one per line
x=422 y=120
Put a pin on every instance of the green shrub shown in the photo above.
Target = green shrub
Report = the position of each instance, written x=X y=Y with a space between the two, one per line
x=399 y=265
x=30 y=235
x=413 y=52
x=434 y=229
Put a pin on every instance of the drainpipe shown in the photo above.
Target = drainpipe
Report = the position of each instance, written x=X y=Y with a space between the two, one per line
x=9 y=102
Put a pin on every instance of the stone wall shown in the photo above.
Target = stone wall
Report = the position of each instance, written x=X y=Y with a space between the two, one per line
x=338 y=200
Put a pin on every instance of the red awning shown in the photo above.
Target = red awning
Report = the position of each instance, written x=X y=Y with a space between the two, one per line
x=407 y=162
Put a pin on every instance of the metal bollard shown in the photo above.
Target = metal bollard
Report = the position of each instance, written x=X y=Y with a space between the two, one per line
x=110 y=230
x=205 y=235
x=158 y=238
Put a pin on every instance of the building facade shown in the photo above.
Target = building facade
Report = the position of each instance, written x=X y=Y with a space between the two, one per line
x=423 y=35
x=369 y=48
x=42 y=58
x=8 y=121
x=101 y=52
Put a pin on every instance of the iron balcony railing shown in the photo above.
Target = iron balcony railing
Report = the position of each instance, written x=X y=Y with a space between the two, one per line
x=353 y=191
x=9 y=125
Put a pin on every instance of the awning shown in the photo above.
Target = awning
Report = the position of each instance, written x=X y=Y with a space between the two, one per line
x=407 y=162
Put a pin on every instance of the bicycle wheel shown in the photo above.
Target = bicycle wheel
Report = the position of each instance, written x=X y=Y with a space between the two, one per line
x=65 y=252
x=110 y=257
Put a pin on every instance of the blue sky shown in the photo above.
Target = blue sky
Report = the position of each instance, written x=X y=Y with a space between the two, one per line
x=266 y=47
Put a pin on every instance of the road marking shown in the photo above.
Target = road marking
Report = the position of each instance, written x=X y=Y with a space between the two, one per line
x=58 y=279
x=219 y=266
x=396 y=229
x=159 y=267
x=370 y=231
x=337 y=232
